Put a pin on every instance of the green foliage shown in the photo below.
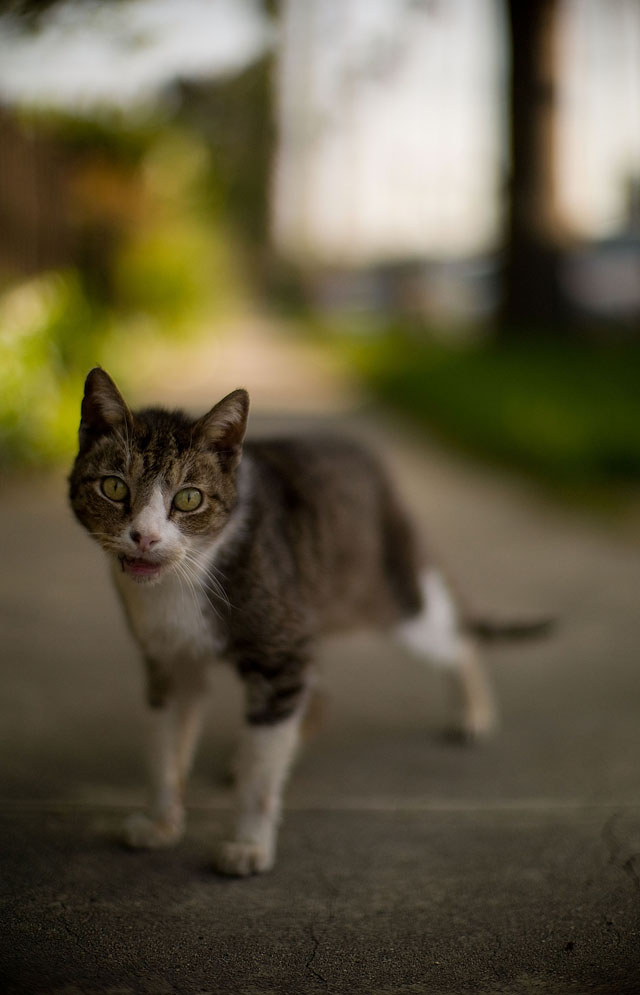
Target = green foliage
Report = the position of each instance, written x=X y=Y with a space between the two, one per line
x=176 y=265
x=171 y=270
x=49 y=335
x=567 y=412
x=120 y=138
x=155 y=275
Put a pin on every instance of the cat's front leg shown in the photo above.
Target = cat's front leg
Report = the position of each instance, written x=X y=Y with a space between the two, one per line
x=175 y=726
x=264 y=760
x=276 y=701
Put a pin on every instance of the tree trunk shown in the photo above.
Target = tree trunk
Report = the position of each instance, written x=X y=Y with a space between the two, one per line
x=533 y=301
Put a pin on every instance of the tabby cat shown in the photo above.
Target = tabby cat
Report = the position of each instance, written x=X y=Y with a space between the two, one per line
x=250 y=553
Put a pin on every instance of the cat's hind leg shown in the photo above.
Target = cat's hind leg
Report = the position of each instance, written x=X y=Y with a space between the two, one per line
x=174 y=729
x=436 y=634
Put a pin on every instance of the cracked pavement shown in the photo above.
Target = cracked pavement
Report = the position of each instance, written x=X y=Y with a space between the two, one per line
x=407 y=864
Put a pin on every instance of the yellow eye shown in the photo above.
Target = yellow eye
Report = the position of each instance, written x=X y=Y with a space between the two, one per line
x=188 y=499
x=114 y=488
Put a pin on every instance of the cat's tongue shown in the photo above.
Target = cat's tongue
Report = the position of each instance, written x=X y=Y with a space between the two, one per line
x=140 y=568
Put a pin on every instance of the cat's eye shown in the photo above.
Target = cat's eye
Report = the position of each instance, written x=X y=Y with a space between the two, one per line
x=114 y=488
x=188 y=499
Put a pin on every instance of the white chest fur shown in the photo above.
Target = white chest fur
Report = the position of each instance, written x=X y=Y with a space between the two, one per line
x=169 y=620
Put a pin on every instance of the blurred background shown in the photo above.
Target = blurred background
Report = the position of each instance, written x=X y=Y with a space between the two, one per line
x=430 y=204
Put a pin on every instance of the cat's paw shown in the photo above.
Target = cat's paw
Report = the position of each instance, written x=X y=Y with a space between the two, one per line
x=474 y=727
x=238 y=859
x=143 y=833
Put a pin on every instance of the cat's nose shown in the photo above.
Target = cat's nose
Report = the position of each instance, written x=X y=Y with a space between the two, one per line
x=145 y=541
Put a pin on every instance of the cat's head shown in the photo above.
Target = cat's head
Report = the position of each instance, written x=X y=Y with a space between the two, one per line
x=155 y=488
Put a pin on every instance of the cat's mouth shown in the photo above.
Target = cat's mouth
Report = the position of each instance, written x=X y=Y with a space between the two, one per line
x=141 y=569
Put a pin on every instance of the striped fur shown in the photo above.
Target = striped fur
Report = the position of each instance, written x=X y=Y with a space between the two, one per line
x=292 y=539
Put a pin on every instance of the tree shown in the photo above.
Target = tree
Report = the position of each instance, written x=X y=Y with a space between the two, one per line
x=533 y=295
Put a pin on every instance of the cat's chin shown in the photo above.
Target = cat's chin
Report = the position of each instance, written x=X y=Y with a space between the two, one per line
x=142 y=571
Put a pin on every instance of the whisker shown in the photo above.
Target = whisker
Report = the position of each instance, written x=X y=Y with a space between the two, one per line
x=194 y=592
x=182 y=590
x=206 y=580
x=207 y=590
x=209 y=585
x=209 y=593
x=183 y=574
x=105 y=539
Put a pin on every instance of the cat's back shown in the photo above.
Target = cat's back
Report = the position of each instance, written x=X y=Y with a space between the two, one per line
x=315 y=465
x=336 y=483
x=327 y=507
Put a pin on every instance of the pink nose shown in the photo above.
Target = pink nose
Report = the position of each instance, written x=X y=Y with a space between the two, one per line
x=144 y=541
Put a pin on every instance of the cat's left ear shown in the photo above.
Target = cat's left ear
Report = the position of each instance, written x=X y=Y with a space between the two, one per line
x=224 y=427
x=103 y=408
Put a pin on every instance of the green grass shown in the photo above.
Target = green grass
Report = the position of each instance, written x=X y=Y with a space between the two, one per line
x=565 y=412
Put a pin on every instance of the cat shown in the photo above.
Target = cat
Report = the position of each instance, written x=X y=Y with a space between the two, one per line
x=250 y=551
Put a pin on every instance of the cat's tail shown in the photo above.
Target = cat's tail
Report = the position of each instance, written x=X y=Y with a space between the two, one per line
x=494 y=631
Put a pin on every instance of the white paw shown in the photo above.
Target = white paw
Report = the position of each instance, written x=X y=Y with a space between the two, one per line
x=141 y=832
x=478 y=724
x=241 y=859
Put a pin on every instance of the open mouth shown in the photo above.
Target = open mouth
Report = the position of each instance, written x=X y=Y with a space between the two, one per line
x=140 y=569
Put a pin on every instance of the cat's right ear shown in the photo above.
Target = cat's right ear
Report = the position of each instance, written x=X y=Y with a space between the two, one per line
x=224 y=427
x=103 y=409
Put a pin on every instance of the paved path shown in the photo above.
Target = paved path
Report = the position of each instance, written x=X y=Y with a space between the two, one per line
x=407 y=865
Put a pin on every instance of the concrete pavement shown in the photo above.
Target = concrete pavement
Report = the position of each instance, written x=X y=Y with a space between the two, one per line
x=407 y=864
